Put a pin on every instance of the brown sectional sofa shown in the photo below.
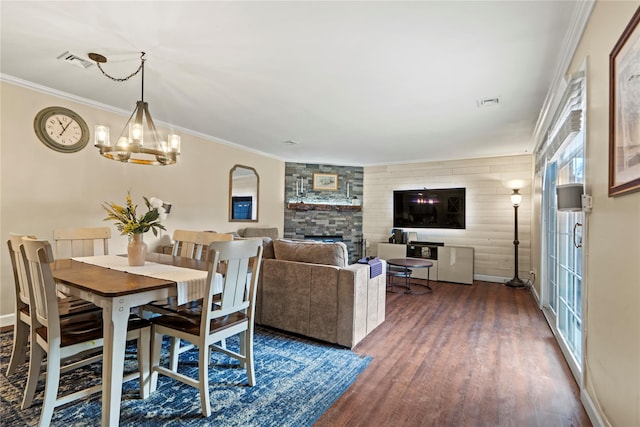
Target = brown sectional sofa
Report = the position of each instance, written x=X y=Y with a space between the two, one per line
x=308 y=288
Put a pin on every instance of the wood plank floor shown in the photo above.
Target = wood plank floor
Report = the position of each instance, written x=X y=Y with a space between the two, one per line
x=480 y=355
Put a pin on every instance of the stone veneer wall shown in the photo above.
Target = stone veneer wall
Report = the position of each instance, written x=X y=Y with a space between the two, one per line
x=298 y=224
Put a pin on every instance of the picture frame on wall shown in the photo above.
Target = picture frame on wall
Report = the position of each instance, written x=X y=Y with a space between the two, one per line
x=325 y=181
x=624 y=111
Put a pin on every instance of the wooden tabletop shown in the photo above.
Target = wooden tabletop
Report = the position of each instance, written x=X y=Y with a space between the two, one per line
x=410 y=262
x=112 y=283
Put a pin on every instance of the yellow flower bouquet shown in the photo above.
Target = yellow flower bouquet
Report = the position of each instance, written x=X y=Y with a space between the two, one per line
x=127 y=220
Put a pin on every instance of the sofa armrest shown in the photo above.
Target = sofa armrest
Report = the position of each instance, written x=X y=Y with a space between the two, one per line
x=352 y=304
x=361 y=303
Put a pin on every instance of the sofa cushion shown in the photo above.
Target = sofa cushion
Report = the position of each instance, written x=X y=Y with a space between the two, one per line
x=259 y=232
x=267 y=248
x=312 y=252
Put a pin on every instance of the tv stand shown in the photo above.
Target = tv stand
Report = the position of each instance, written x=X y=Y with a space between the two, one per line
x=450 y=263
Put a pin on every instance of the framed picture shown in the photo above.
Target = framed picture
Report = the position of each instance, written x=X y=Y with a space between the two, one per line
x=624 y=111
x=325 y=181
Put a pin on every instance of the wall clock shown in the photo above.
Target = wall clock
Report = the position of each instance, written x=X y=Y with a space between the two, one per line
x=61 y=129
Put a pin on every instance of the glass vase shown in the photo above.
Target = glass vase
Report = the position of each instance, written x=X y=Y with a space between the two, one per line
x=137 y=250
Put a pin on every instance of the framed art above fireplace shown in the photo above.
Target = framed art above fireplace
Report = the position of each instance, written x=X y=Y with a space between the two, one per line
x=325 y=181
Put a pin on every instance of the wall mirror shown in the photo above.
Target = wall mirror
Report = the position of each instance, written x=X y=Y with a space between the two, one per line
x=244 y=189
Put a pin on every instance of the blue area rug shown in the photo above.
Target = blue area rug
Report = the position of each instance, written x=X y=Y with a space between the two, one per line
x=296 y=381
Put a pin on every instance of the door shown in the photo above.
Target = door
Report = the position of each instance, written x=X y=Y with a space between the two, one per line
x=562 y=289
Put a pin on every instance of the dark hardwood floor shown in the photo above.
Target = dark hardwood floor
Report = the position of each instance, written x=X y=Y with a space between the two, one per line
x=480 y=355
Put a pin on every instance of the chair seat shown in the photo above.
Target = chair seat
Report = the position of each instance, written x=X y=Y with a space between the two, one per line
x=190 y=324
x=69 y=306
x=72 y=305
x=170 y=306
x=87 y=326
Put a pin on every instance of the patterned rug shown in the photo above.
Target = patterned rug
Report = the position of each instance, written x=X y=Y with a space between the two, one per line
x=296 y=381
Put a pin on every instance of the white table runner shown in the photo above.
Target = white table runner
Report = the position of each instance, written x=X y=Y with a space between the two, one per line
x=191 y=283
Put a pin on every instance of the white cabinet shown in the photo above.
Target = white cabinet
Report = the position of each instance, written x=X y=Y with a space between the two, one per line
x=455 y=264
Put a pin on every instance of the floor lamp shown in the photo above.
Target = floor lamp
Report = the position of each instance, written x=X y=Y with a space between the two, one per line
x=516 y=282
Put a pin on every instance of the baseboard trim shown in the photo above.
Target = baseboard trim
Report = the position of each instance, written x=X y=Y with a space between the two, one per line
x=7 y=320
x=485 y=278
x=590 y=408
x=536 y=296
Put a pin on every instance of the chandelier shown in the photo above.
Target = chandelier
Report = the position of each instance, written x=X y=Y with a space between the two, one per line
x=135 y=145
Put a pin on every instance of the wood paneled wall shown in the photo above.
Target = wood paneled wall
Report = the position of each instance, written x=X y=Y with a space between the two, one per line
x=489 y=212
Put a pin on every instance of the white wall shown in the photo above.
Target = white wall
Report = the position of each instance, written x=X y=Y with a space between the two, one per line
x=489 y=213
x=42 y=189
x=612 y=314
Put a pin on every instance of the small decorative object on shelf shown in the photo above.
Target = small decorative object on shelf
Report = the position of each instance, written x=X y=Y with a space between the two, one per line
x=128 y=223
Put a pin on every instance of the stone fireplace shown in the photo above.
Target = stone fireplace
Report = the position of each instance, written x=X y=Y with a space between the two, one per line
x=324 y=215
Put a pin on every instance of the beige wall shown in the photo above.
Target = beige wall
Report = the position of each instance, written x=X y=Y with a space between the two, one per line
x=42 y=189
x=489 y=213
x=612 y=352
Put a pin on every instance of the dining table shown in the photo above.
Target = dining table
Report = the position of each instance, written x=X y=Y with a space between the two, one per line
x=108 y=282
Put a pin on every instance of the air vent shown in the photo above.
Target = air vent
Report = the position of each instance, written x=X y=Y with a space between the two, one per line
x=75 y=60
x=488 y=102
x=290 y=142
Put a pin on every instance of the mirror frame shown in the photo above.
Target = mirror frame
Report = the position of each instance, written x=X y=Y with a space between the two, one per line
x=257 y=202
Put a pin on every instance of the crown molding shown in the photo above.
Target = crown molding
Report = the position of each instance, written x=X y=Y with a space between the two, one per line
x=98 y=105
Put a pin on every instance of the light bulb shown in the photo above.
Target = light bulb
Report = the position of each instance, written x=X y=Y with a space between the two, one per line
x=101 y=135
x=516 y=197
x=174 y=143
x=135 y=133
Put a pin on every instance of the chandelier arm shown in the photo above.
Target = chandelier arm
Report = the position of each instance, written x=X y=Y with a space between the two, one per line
x=152 y=126
x=140 y=111
x=126 y=125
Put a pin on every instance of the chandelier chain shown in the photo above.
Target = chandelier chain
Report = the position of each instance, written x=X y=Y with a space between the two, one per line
x=123 y=79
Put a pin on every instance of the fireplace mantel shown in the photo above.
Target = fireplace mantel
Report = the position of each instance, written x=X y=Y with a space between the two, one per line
x=323 y=207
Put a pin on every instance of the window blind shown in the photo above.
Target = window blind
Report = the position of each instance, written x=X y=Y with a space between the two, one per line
x=566 y=123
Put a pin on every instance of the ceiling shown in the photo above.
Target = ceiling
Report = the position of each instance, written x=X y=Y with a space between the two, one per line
x=352 y=83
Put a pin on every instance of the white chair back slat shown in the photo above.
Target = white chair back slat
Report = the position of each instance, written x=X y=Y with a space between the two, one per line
x=38 y=256
x=236 y=256
x=84 y=241
x=193 y=244
x=19 y=268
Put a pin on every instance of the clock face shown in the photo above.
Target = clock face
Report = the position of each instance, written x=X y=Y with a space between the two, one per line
x=61 y=129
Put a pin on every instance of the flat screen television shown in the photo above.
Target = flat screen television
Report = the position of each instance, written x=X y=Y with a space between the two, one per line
x=429 y=208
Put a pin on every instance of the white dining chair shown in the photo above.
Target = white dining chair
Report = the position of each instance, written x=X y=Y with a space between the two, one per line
x=22 y=325
x=232 y=314
x=188 y=244
x=62 y=338
x=81 y=241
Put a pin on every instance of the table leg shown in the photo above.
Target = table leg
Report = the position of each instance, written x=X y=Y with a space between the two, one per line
x=115 y=318
x=427 y=286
